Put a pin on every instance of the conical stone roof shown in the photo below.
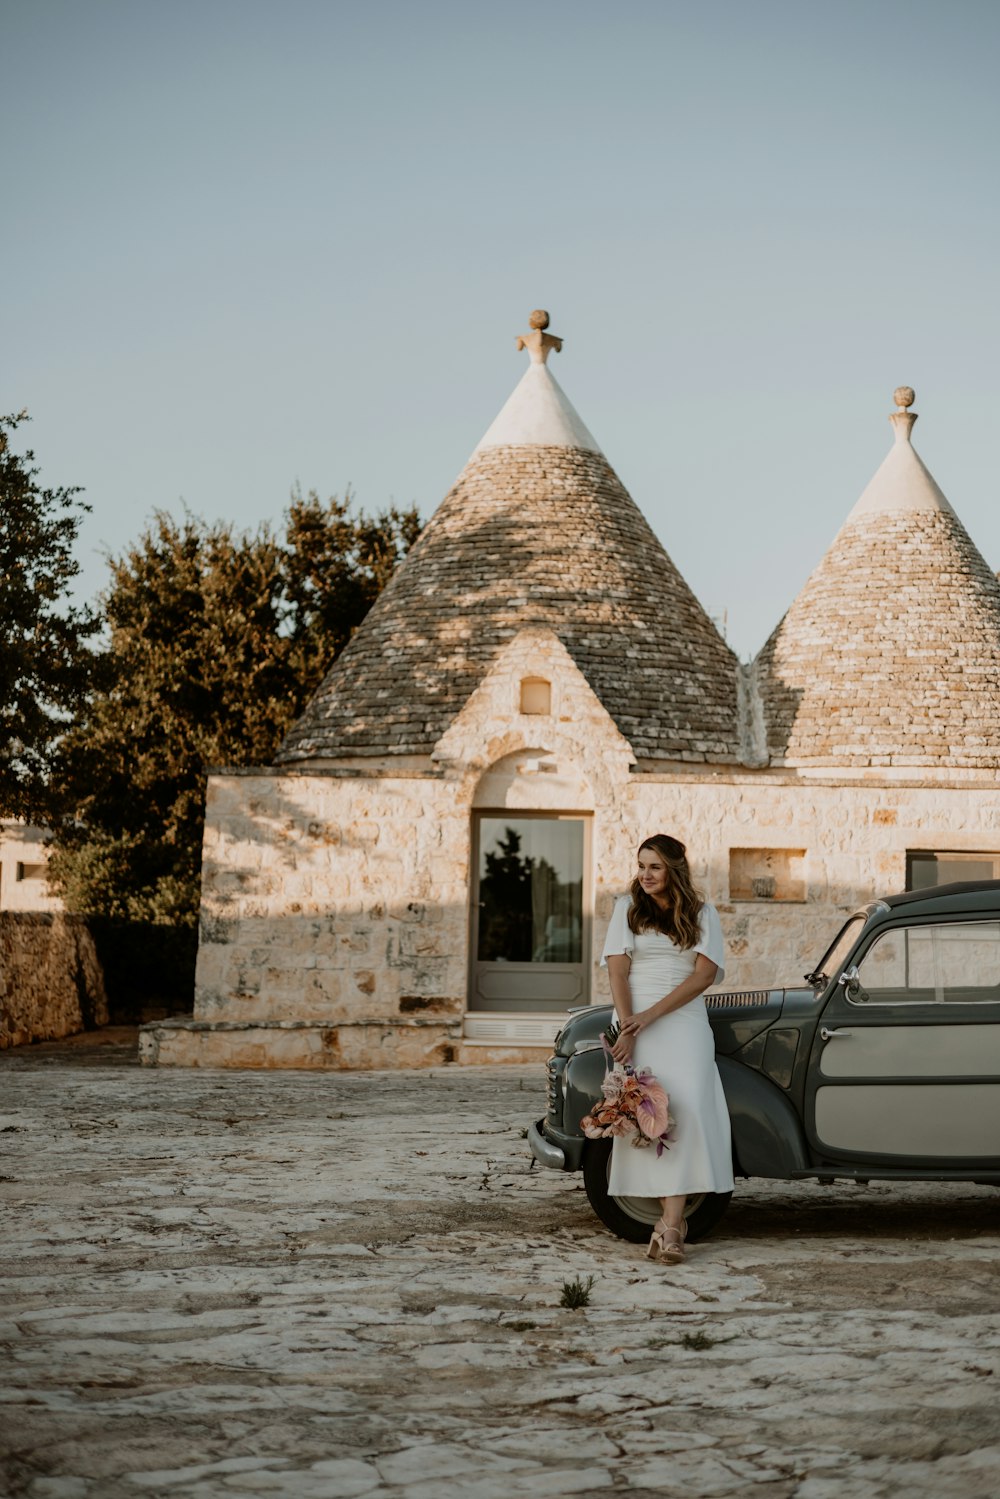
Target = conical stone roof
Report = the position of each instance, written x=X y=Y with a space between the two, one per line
x=537 y=531
x=890 y=655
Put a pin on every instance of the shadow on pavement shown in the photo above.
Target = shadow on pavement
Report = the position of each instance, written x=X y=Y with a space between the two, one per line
x=112 y=1046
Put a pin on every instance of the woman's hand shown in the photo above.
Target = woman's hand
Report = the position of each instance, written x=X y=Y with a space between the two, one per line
x=626 y=1039
x=634 y=1025
x=622 y=1049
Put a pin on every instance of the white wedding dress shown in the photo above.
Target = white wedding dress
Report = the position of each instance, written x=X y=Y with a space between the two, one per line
x=679 y=1050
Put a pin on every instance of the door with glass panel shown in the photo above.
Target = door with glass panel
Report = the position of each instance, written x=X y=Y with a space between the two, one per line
x=530 y=918
x=906 y=1058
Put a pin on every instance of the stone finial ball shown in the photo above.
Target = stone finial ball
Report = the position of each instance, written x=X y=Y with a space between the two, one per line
x=539 y=318
x=904 y=395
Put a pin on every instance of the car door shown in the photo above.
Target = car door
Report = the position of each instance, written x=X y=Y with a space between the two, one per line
x=905 y=1062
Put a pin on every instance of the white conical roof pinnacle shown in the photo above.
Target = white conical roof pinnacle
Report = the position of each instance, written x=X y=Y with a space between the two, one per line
x=538 y=412
x=901 y=482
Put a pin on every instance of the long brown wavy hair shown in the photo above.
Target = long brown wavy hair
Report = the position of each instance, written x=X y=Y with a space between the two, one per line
x=679 y=921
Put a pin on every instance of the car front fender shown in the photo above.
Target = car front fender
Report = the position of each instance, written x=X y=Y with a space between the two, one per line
x=768 y=1139
x=582 y=1086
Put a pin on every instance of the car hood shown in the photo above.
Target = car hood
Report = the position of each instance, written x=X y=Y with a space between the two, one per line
x=736 y=1016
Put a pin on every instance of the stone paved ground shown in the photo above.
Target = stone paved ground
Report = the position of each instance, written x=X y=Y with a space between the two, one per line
x=225 y=1284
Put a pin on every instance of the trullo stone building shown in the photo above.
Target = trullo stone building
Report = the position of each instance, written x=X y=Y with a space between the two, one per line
x=426 y=873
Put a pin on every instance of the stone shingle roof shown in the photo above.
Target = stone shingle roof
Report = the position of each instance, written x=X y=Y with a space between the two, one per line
x=534 y=533
x=890 y=655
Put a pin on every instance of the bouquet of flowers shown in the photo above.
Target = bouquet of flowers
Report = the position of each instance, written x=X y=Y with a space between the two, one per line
x=633 y=1106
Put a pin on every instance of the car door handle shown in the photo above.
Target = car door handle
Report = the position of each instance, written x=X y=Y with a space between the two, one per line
x=826 y=1035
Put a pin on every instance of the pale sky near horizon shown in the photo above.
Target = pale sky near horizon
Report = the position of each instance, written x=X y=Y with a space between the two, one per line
x=248 y=244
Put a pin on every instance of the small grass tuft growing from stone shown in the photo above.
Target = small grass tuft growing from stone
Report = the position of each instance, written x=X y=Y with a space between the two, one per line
x=576 y=1293
x=698 y=1342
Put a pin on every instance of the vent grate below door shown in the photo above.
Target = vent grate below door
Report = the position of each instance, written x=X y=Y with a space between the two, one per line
x=512 y=1030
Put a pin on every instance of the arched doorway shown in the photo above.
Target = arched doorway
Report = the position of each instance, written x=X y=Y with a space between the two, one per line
x=530 y=929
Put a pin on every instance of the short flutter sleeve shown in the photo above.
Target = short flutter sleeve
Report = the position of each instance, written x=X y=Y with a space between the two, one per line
x=710 y=940
x=620 y=939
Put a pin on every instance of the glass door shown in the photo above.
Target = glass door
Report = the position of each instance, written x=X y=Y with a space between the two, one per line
x=530 y=923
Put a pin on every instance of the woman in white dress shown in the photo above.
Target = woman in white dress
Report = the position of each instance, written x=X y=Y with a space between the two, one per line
x=663 y=950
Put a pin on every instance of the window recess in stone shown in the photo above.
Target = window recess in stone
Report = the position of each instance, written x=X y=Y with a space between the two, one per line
x=927 y=867
x=767 y=874
x=536 y=695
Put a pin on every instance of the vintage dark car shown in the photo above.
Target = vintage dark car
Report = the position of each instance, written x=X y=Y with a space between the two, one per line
x=885 y=1065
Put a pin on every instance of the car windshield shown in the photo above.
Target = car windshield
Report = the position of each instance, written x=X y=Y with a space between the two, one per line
x=834 y=957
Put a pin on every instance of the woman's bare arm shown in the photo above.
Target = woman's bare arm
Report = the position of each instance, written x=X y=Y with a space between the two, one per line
x=619 y=967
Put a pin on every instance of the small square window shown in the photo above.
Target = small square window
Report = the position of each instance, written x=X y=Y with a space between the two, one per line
x=536 y=695
x=925 y=869
x=767 y=874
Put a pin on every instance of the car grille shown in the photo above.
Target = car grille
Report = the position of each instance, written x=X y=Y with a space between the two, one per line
x=740 y=999
x=553 y=1098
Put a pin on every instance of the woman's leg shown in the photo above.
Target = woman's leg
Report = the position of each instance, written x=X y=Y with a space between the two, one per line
x=672 y=1212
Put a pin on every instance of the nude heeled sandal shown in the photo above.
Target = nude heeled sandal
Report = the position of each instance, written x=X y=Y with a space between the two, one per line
x=667 y=1253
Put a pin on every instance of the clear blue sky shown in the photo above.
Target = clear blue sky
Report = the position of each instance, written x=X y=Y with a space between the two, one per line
x=247 y=244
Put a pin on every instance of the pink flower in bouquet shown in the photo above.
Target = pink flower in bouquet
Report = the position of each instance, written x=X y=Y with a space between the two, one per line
x=653 y=1110
x=613 y=1086
x=634 y=1107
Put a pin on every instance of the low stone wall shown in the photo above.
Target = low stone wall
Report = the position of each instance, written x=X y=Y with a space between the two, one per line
x=363 y=1045
x=51 y=984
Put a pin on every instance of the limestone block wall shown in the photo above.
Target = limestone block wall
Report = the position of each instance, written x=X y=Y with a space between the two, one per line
x=335 y=906
x=51 y=983
x=854 y=836
x=339 y=900
x=912 y=580
x=329 y=898
x=336 y=900
x=530 y=538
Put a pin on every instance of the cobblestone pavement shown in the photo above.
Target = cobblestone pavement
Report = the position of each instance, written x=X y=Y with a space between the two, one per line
x=325 y=1286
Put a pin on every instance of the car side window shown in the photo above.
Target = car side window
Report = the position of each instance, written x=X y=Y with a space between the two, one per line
x=954 y=962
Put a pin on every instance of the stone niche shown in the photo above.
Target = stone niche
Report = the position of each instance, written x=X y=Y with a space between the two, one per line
x=767 y=874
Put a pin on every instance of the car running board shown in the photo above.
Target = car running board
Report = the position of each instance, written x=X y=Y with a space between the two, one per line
x=884 y=1174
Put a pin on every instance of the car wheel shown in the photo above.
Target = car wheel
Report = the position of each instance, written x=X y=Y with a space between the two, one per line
x=632 y=1218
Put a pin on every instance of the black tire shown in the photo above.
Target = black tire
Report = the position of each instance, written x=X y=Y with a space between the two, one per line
x=632 y=1218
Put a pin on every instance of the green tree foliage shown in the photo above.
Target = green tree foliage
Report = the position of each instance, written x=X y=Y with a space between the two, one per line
x=45 y=661
x=217 y=639
x=337 y=565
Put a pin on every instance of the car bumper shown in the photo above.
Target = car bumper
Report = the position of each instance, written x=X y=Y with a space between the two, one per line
x=558 y=1152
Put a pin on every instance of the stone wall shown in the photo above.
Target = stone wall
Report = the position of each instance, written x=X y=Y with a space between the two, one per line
x=50 y=980
x=530 y=538
x=854 y=838
x=336 y=910
x=327 y=899
x=890 y=654
x=336 y=905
